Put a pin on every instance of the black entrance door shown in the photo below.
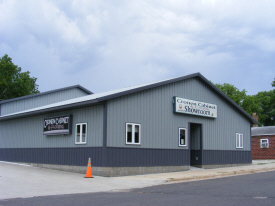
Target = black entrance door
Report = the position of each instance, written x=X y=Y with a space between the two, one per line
x=195 y=136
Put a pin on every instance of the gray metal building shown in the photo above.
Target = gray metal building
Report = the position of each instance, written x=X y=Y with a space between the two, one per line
x=159 y=127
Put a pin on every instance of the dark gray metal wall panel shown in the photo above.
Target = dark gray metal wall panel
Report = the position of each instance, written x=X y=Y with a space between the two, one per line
x=216 y=157
x=41 y=100
x=105 y=125
x=121 y=157
x=28 y=132
x=59 y=156
x=153 y=109
x=126 y=157
x=116 y=157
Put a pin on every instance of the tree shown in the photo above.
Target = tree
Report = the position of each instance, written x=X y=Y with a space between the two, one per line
x=267 y=102
x=232 y=92
x=262 y=103
x=273 y=83
x=248 y=103
x=271 y=113
x=251 y=104
x=13 y=82
x=267 y=106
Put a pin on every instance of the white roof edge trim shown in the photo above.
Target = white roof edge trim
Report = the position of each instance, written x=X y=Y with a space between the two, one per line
x=84 y=98
x=265 y=127
x=262 y=134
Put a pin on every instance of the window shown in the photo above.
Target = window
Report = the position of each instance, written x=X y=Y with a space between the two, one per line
x=132 y=133
x=182 y=137
x=264 y=143
x=239 y=140
x=81 y=133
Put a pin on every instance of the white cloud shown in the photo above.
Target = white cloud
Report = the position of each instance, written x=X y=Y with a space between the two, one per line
x=105 y=45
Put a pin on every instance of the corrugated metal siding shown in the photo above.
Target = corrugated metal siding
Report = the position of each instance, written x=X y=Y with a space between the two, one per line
x=153 y=109
x=116 y=157
x=214 y=157
x=133 y=157
x=24 y=104
x=120 y=157
x=28 y=132
x=58 y=156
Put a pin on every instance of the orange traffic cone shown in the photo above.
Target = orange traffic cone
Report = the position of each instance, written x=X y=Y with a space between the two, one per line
x=89 y=169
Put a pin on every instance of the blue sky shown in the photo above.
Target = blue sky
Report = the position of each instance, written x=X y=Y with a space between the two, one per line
x=106 y=45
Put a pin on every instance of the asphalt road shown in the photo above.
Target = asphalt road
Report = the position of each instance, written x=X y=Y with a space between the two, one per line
x=252 y=189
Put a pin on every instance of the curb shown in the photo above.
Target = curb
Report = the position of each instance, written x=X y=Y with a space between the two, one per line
x=220 y=175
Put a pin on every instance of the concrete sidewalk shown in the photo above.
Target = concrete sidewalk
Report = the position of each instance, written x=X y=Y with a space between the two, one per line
x=21 y=181
x=200 y=174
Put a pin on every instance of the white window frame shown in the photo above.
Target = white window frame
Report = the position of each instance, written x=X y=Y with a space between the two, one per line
x=133 y=134
x=81 y=127
x=239 y=140
x=183 y=145
x=262 y=142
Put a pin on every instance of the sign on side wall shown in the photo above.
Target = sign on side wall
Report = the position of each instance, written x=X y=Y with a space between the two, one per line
x=58 y=125
x=187 y=106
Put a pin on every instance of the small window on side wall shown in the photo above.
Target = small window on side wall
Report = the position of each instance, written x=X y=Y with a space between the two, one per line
x=264 y=143
x=133 y=133
x=182 y=137
x=80 y=133
x=239 y=140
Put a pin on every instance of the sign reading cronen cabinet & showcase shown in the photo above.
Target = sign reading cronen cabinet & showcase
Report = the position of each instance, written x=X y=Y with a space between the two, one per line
x=187 y=106
x=58 y=125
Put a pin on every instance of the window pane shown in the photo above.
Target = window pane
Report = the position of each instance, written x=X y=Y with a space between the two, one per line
x=78 y=138
x=136 y=133
x=129 y=133
x=241 y=140
x=84 y=133
x=77 y=133
x=182 y=137
x=264 y=143
x=237 y=141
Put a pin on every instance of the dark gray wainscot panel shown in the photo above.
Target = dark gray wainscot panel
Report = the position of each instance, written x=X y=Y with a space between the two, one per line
x=115 y=157
x=215 y=157
x=121 y=157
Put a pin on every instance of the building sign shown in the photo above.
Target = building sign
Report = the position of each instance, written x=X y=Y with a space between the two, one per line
x=58 y=125
x=187 y=106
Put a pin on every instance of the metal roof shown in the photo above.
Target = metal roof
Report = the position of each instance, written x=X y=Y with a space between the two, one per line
x=101 y=97
x=48 y=92
x=260 y=131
